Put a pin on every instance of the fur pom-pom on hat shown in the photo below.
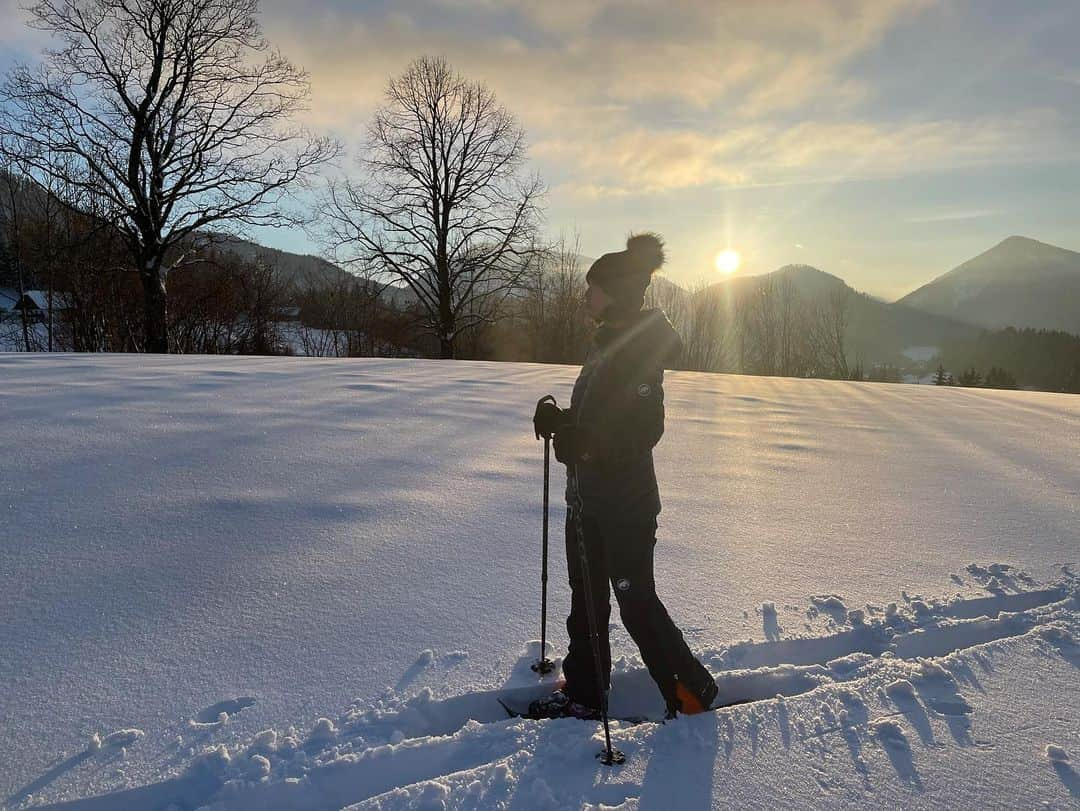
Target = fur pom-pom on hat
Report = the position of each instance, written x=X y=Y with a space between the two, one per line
x=646 y=251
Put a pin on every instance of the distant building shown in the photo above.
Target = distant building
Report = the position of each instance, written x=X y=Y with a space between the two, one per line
x=40 y=298
x=33 y=303
x=287 y=314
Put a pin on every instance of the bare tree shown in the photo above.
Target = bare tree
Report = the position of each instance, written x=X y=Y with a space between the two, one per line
x=674 y=300
x=791 y=322
x=51 y=238
x=759 y=329
x=443 y=206
x=552 y=308
x=102 y=301
x=62 y=236
x=12 y=216
x=339 y=317
x=774 y=330
x=172 y=111
x=228 y=304
x=705 y=330
x=829 y=332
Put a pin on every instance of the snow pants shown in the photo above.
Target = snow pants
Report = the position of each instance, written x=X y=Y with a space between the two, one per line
x=621 y=557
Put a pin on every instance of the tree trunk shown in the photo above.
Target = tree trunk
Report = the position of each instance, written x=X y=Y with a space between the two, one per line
x=446 y=347
x=154 y=307
x=22 y=307
x=446 y=319
x=49 y=293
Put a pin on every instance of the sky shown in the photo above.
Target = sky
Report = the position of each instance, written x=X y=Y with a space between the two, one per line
x=884 y=141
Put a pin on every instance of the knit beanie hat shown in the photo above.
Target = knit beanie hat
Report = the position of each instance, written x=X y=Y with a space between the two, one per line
x=624 y=275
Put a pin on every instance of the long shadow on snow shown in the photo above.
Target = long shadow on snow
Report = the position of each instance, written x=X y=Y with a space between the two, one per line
x=680 y=775
x=896 y=746
x=858 y=716
x=1069 y=778
x=56 y=771
x=189 y=791
x=570 y=771
x=917 y=716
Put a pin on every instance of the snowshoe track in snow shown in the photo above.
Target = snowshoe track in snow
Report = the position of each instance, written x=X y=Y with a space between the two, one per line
x=221 y=712
x=379 y=750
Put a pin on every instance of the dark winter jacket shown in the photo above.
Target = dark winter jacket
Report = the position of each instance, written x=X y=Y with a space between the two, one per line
x=616 y=417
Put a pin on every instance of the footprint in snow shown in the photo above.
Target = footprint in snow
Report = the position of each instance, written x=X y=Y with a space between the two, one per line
x=945 y=706
x=222 y=711
x=120 y=739
x=422 y=663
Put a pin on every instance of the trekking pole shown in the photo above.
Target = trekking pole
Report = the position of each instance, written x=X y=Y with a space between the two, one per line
x=610 y=756
x=543 y=665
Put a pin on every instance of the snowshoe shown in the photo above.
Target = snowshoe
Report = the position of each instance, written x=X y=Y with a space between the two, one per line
x=559 y=705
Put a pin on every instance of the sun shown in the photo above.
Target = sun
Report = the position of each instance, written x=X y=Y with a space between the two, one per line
x=728 y=261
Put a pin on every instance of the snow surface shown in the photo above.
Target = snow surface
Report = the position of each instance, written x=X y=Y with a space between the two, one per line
x=241 y=583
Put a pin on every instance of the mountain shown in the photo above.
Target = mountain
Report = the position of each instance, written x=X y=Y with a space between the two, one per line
x=302 y=270
x=878 y=332
x=1020 y=282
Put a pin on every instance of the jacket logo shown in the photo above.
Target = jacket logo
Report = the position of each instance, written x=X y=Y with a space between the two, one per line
x=644 y=390
x=623 y=584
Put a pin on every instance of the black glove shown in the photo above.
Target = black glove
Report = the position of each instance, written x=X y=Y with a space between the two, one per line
x=548 y=418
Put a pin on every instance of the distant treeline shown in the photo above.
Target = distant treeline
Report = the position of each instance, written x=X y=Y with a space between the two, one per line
x=794 y=323
x=779 y=325
x=1041 y=359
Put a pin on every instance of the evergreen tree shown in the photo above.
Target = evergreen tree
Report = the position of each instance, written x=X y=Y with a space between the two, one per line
x=971 y=378
x=1042 y=359
x=941 y=378
x=1072 y=381
x=998 y=378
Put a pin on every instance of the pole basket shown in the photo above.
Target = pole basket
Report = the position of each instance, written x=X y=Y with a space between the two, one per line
x=611 y=757
x=543 y=666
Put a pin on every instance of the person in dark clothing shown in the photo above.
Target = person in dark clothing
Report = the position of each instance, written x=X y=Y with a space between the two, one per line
x=605 y=438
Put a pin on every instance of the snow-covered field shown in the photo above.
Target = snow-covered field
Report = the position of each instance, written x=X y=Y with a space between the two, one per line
x=266 y=583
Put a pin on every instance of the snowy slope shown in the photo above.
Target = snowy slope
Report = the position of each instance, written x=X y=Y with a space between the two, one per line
x=197 y=550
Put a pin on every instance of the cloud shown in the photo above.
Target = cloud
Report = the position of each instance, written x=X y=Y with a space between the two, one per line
x=657 y=161
x=553 y=60
x=647 y=161
x=636 y=97
x=626 y=98
x=952 y=216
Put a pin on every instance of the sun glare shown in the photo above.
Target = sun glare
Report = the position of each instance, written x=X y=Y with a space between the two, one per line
x=727 y=261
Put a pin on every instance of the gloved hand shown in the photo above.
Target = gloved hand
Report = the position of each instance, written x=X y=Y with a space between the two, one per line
x=548 y=418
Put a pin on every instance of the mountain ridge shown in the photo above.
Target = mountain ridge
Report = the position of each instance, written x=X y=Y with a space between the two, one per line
x=878 y=331
x=1019 y=282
